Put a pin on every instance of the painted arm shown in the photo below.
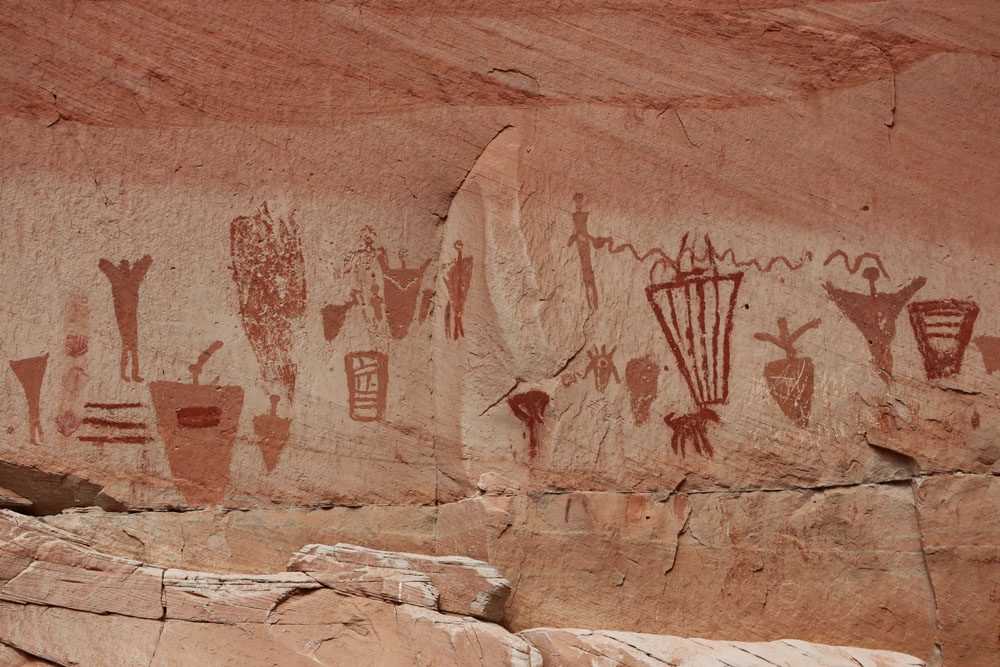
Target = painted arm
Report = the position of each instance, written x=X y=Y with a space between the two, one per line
x=139 y=268
x=107 y=268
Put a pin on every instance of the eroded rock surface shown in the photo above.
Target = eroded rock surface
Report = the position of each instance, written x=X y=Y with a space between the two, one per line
x=340 y=604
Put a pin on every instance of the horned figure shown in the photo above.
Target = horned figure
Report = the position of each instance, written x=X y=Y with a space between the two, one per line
x=875 y=314
x=602 y=364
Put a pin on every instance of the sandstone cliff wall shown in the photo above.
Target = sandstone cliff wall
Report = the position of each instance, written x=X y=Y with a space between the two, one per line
x=682 y=314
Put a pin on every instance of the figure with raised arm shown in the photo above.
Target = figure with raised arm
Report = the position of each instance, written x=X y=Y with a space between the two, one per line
x=125 y=281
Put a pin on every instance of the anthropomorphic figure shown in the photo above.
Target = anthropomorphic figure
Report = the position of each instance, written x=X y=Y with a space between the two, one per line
x=125 y=281
x=581 y=237
x=458 y=279
x=875 y=314
x=602 y=365
x=400 y=290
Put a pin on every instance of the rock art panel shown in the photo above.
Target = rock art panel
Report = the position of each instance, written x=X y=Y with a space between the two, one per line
x=125 y=280
x=198 y=425
x=269 y=272
x=943 y=329
x=390 y=299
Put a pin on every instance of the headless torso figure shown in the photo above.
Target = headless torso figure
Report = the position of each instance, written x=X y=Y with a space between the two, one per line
x=125 y=281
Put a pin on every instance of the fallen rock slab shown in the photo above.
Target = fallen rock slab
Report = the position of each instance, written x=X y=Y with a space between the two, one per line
x=596 y=648
x=464 y=585
x=43 y=565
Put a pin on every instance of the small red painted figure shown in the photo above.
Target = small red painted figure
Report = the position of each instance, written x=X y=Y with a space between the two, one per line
x=530 y=407
x=641 y=377
x=458 y=279
x=602 y=364
x=125 y=281
x=790 y=380
x=30 y=373
x=401 y=289
x=581 y=238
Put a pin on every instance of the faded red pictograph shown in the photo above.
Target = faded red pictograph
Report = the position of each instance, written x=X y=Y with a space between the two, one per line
x=387 y=304
x=791 y=380
x=269 y=273
x=67 y=423
x=695 y=313
x=602 y=365
x=272 y=433
x=30 y=372
x=367 y=385
x=198 y=424
x=401 y=289
x=114 y=423
x=458 y=278
x=989 y=347
x=943 y=329
x=875 y=314
x=76 y=318
x=125 y=281
x=641 y=382
x=335 y=314
x=582 y=239
x=76 y=345
x=530 y=407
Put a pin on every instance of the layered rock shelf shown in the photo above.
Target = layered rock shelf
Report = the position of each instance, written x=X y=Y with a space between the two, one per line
x=63 y=602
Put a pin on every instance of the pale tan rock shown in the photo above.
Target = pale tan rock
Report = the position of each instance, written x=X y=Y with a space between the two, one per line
x=232 y=599
x=387 y=583
x=328 y=628
x=493 y=484
x=960 y=519
x=231 y=541
x=61 y=572
x=452 y=584
x=73 y=637
x=598 y=648
x=11 y=657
